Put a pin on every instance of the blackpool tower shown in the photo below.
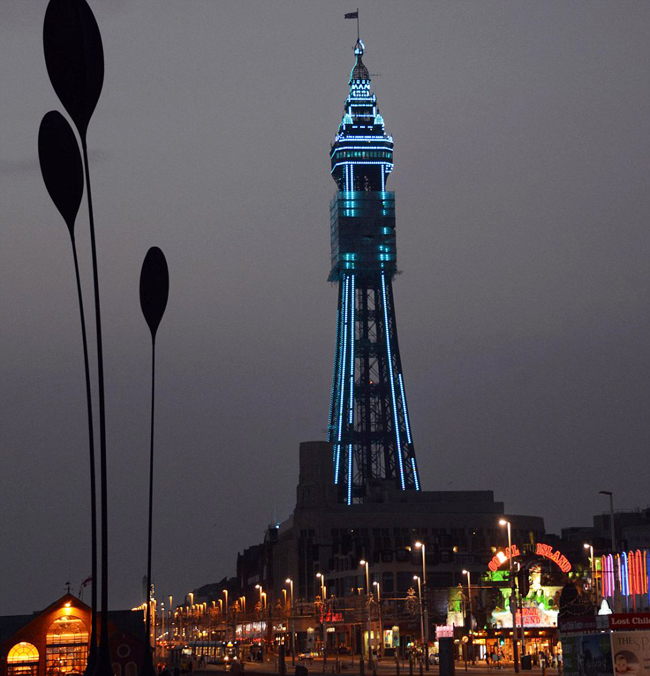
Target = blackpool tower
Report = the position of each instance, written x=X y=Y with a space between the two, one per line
x=368 y=423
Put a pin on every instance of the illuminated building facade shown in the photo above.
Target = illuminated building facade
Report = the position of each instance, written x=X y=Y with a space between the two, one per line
x=368 y=423
x=54 y=642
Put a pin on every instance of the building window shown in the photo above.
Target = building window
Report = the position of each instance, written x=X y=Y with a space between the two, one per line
x=404 y=581
x=66 y=646
x=22 y=660
x=387 y=583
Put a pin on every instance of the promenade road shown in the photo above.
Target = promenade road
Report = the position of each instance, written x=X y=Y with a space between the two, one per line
x=385 y=667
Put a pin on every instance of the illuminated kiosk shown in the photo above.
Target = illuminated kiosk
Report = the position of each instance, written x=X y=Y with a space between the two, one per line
x=541 y=572
x=368 y=423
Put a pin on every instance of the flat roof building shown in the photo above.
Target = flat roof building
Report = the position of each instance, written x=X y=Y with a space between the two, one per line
x=460 y=530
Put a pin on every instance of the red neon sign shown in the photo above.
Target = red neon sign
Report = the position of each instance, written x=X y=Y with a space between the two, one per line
x=556 y=557
x=498 y=561
x=541 y=550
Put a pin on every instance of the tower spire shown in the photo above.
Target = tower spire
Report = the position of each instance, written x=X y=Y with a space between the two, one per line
x=368 y=421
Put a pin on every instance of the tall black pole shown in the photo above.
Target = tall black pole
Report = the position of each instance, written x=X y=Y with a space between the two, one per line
x=147 y=667
x=92 y=651
x=62 y=170
x=154 y=291
x=104 y=667
x=74 y=58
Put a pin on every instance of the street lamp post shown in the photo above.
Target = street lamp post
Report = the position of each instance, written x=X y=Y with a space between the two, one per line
x=469 y=598
x=522 y=628
x=323 y=593
x=425 y=609
x=611 y=518
x=513 y=596
x=381 y=621
x=365 y=563
x=417 y=577
x=225 y=593
x=289 y=581
x=593 y=571
x=612 y=529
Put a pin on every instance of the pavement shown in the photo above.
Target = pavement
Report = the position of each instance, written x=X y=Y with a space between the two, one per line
x=385 y=667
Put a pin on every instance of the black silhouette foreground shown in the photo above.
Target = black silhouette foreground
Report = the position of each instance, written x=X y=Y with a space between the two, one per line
x=154 y=292
x=75 y=64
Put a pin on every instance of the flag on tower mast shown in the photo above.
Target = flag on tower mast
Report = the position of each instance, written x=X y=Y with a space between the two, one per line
x=354 y=15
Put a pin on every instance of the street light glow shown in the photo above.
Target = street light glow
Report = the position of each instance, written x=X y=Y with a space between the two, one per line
x=503 y=522
x=418 y=544
x=362 y=562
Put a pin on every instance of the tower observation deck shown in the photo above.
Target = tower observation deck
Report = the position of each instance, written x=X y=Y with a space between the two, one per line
x=368 y=418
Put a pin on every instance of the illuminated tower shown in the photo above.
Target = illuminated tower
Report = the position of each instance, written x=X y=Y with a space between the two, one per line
x=368 y=419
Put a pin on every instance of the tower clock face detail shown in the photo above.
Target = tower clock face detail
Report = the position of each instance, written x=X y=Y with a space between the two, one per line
x=368 y=423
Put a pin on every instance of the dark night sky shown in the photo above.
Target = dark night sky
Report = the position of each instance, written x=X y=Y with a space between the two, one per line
x=522 y=135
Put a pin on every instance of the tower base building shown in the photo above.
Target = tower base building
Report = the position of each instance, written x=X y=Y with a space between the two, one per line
x=460 y=531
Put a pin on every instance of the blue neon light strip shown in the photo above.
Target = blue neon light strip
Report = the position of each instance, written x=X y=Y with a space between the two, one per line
x=342 y=381
x=406 y=414
x=348 y=136
x=330 y=421
x=349 y=498
x=350 y=163
x=392 y=383
x=625 y=588
x=364 y=148
x=351 y=398
x=415 y=474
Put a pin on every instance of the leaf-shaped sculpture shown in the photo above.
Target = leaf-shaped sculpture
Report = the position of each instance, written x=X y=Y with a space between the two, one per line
x=74 y=58
x=154 y=288
x=60 y=159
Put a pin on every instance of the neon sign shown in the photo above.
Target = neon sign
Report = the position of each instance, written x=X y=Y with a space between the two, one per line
x=627 y=571
x=541 y=550
x=331 y=616
x=557 y=557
